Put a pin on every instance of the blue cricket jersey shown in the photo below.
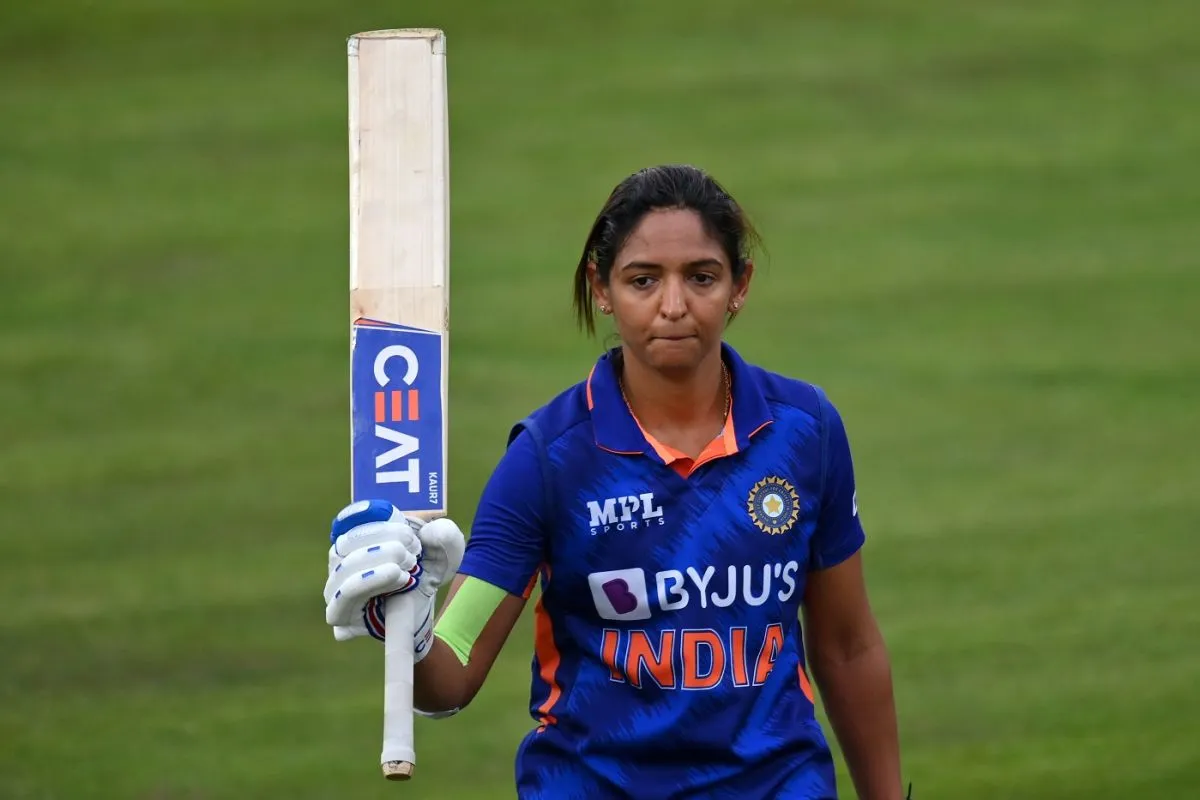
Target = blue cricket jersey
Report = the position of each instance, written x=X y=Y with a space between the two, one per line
x=668 y=658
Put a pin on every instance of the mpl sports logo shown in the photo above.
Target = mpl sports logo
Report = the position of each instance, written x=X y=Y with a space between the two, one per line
x=396 y=415
x=628 y=512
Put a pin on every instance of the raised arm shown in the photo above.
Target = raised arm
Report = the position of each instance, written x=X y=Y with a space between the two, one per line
x=505 y=551
x=377 y=552
x=470 y=633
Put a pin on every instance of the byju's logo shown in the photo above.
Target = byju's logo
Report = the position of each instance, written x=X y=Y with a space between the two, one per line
x=629 y=512
x=620 y=594
x=740 y=651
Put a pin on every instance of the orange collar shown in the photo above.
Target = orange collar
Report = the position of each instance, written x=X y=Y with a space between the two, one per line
x=724 y=444
x=617 y=431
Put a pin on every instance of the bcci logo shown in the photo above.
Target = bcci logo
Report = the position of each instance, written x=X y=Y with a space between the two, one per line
x=774 y=505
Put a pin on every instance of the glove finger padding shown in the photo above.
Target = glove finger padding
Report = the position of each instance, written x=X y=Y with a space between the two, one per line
x=373 y=533
x=420 y=605
x=377 y=551
x=442 y=547
x=368 y=558
x=344 y=633
x=348 y=599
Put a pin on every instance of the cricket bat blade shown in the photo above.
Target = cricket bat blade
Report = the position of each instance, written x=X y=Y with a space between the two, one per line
x=399 y=312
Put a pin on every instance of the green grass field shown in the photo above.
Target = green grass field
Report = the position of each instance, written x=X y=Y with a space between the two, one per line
x=983 y=228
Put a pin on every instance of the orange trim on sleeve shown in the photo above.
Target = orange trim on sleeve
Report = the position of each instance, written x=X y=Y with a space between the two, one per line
x=805 y=686
x=548 y=659
x=532 y=583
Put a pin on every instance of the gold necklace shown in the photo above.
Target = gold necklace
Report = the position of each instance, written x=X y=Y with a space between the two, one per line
x=725 y=383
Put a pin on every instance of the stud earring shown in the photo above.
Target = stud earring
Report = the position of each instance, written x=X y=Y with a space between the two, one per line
x=603 y=309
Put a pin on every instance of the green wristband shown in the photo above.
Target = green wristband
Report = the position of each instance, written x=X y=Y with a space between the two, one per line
x=463 y=620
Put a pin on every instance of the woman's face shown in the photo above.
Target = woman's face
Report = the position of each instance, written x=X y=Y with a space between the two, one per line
x=670 y=290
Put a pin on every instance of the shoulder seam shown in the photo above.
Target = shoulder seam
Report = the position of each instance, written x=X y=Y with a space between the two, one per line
x=772 y=385
x=823 y=424
x=566 y=430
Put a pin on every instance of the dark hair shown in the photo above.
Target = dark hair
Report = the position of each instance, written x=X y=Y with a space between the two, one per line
x=650 y=189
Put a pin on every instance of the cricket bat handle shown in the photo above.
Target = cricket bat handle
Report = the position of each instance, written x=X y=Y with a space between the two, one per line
x=399 y=757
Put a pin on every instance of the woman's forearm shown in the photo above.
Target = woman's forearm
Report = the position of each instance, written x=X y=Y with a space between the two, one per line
x=439 y=679
x=472 y=628
x=858 y=699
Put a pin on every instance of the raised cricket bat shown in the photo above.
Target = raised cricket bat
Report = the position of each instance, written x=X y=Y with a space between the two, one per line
x=399 y=303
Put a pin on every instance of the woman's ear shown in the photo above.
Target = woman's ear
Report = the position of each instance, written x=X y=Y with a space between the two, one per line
x=600 y=293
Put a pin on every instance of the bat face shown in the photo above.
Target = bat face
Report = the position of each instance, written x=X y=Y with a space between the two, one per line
x=396 y=380
x=399 y=268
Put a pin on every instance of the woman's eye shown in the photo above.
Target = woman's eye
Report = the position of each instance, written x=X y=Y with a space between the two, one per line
x=703 y=279
x=642 y=281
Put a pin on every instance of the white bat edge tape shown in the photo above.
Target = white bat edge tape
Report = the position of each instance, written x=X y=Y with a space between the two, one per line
x=398 y=681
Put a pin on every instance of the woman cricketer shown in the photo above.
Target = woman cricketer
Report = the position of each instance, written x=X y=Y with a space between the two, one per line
x=682 y=509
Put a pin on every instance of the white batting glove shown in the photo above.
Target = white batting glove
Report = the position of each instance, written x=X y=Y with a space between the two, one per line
x=376 y=552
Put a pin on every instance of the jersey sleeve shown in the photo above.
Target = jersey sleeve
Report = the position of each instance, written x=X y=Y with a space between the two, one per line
x=507 y=542
x=839 y=532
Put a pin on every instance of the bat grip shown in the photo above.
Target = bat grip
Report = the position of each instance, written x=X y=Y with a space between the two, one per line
x=398 y=757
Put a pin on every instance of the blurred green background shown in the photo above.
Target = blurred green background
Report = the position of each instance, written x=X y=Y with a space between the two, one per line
x=982 y=224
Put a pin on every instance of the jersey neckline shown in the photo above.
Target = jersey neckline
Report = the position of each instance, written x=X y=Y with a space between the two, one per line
x=618 y=431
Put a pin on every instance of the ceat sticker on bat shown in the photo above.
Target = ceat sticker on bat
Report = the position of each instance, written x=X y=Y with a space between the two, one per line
x=396 y=399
